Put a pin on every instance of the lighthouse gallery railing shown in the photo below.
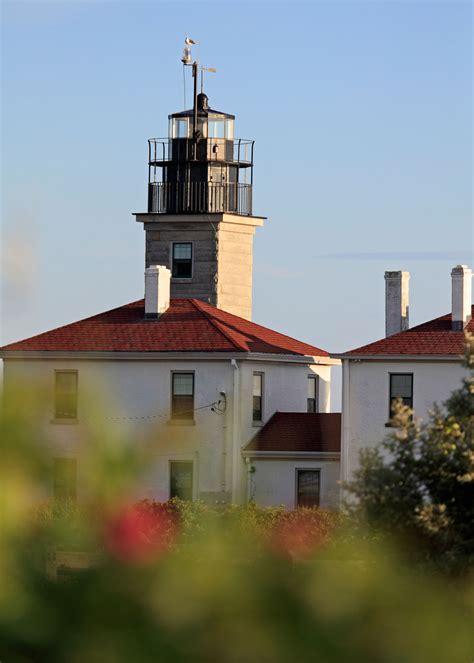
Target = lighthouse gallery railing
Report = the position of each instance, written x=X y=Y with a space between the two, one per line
x=199 y=198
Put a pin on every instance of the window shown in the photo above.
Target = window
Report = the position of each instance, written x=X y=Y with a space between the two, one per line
x=64 y=478
x=308 y=483
x=182 y=260
x=181 y=480
x=180 y=128
x=65 y=395
x=216 y=128
x=182 y=398
x=401 y=386
x=313 y=384
x=257 y=404
x=229 y=129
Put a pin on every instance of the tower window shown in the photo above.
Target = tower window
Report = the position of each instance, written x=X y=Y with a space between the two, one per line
x=312 y=400
x=182 y=260
x=182 y=396
x=65 y=395
x=257 y=401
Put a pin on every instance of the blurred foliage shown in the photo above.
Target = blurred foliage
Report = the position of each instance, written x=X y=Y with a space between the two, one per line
x=111 y=580
x=418 y=485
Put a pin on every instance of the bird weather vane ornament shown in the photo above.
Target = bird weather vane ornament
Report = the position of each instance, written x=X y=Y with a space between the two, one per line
x=186 y=58
x=187 y=61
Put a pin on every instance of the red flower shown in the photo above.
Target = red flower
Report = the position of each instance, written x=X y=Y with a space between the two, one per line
x=298 y=535
x=139 y=534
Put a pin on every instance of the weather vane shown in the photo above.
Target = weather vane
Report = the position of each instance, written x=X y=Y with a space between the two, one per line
x=187 y=61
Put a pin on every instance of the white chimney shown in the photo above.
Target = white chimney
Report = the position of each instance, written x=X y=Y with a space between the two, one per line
x=396 y=302
x=157 y=290
x=461 y=279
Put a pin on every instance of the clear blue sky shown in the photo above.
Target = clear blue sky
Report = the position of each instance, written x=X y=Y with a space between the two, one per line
x=361 y=112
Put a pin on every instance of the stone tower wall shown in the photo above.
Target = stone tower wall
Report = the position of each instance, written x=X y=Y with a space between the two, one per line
x=222 y=256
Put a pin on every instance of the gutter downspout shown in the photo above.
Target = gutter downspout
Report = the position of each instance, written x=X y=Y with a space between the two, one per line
x=345 y=428
x=249 y=468
x=236 y=458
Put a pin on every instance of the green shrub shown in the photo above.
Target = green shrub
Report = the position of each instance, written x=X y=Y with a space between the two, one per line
x=418 y=486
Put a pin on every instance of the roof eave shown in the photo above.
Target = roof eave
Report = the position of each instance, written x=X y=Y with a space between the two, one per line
x=164 y=355
x=321 y=455
x=400 y=357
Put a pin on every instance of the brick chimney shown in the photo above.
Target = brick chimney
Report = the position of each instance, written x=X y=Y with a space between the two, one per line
x=157 y=290
x=396 y=302
x=461 y=279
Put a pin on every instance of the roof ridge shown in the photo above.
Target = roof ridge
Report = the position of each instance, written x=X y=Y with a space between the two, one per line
x=267 y=329
x=217 y=325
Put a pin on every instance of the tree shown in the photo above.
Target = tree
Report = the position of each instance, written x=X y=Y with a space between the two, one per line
x=418 y=484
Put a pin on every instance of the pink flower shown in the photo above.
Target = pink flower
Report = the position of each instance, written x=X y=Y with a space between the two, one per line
x=139 y=534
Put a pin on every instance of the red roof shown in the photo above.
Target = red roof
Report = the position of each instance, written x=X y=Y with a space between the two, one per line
x=188 y=325
x=299 y=431
x=431 y=338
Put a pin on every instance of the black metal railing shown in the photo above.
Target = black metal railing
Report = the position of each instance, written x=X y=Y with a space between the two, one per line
x=238 y=151
x=199 y=198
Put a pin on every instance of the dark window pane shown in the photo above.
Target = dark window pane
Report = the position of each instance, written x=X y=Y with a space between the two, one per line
x=65 y=395
x=182 y=400
x=181 y=480
x=182 y=267
x=257 y=408
x=308 y=487
x=64 y=481
x=183 y=407
x=311 y=405
x=257 y=400
x=401 y=387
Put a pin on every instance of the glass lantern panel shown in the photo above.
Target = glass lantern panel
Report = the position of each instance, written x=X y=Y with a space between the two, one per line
x=202 y=126
x=180 y=127
x=216 y=128
x=229 y=129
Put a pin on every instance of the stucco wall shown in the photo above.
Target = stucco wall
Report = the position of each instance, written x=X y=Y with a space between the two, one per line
x=285 y=389
x=132 y=389
x=366 y=399
x=274 y=482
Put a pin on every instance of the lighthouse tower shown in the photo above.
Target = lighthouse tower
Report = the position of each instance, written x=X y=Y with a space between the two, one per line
x=200 y=221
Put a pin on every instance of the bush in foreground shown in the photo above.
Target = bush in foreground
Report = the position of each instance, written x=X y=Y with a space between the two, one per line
x=418 y=486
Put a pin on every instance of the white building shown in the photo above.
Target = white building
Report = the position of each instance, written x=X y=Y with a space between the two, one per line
x=293 y=456
x=201 y=380
x=185 y=366
x=421 y=366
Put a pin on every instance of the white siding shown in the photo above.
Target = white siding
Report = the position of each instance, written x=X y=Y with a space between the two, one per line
x=366 y=399
x=142 y=388
x=274 y=482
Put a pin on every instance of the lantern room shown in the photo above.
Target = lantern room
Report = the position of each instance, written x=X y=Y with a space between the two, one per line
x=200 y=167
